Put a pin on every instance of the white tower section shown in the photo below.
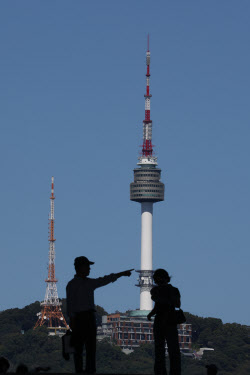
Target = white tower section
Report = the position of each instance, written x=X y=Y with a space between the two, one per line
x=146 y=254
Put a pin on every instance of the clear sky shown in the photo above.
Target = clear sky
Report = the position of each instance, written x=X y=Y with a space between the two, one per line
x=72 y=104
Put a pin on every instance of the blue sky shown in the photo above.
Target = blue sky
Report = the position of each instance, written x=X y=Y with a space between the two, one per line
x=72 y=104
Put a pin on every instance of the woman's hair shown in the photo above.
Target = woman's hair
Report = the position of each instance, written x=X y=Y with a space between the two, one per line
x=161 y=275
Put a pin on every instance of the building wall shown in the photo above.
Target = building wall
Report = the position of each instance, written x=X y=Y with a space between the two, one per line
x=130 y=332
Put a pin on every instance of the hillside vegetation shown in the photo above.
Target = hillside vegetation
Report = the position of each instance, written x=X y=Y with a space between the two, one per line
x=35 y=348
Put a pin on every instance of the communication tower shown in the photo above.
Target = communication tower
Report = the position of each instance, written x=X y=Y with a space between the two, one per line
x=51 y=312
x=146 y=190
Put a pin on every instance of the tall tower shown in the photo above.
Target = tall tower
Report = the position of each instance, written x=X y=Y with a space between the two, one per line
x=146 y=190
x=51 y=312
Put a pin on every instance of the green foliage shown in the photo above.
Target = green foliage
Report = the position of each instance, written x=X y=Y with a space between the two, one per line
x=231 y=343
x=99 y=313
x=34 y=348
x=111 y=359
x=142 y=359
x=13 y=320
x=192 y=367
x=202 y=328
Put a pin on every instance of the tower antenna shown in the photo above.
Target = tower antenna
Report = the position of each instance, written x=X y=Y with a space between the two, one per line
x=51 y=312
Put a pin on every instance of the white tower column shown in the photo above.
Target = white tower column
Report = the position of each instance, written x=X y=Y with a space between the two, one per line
x=146 y=235
x=146 y=255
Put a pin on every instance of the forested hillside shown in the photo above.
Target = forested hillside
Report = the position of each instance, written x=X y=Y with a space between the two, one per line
x=35 y=348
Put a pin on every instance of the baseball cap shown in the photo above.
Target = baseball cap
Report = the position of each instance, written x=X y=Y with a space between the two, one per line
x=82 y=260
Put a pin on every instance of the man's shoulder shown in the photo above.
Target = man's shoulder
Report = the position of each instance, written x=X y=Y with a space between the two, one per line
x=92 y=280
x=73 y=281
x=69 y=283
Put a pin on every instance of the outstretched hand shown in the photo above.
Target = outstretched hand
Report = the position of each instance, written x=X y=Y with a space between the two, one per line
x=128 y=272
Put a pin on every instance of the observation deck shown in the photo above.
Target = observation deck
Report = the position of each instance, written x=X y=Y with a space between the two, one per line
x=147 y=186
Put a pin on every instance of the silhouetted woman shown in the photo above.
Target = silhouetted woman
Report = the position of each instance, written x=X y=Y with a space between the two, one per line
x=166 y=299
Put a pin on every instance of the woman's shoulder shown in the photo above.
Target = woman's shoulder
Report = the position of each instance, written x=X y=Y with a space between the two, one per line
x=174 y=289
x=169 y=288
x=154 y=290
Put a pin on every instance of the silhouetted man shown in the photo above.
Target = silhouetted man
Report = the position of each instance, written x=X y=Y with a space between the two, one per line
x=166 y=298
x=211 y=369
x=81 y=311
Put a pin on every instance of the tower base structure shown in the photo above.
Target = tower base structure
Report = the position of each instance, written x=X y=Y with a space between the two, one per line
x=145 y=284
x=146 y=272
x=52 y=316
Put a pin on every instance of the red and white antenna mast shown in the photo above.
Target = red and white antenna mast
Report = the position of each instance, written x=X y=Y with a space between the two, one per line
x=147 y=147
x=51 y=267
x=51 y=312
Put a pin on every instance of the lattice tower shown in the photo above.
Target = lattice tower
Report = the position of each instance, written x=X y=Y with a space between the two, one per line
x=51 y=313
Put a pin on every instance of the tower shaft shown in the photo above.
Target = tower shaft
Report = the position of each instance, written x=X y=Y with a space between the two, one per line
x=146 y=255
x=146 y=235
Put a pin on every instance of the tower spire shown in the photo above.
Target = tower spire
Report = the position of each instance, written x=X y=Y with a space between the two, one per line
x=147 y=148
x=51 y=267
x=51 y=311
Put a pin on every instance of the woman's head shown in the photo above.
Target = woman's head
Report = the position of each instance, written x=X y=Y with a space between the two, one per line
x=161 y=276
